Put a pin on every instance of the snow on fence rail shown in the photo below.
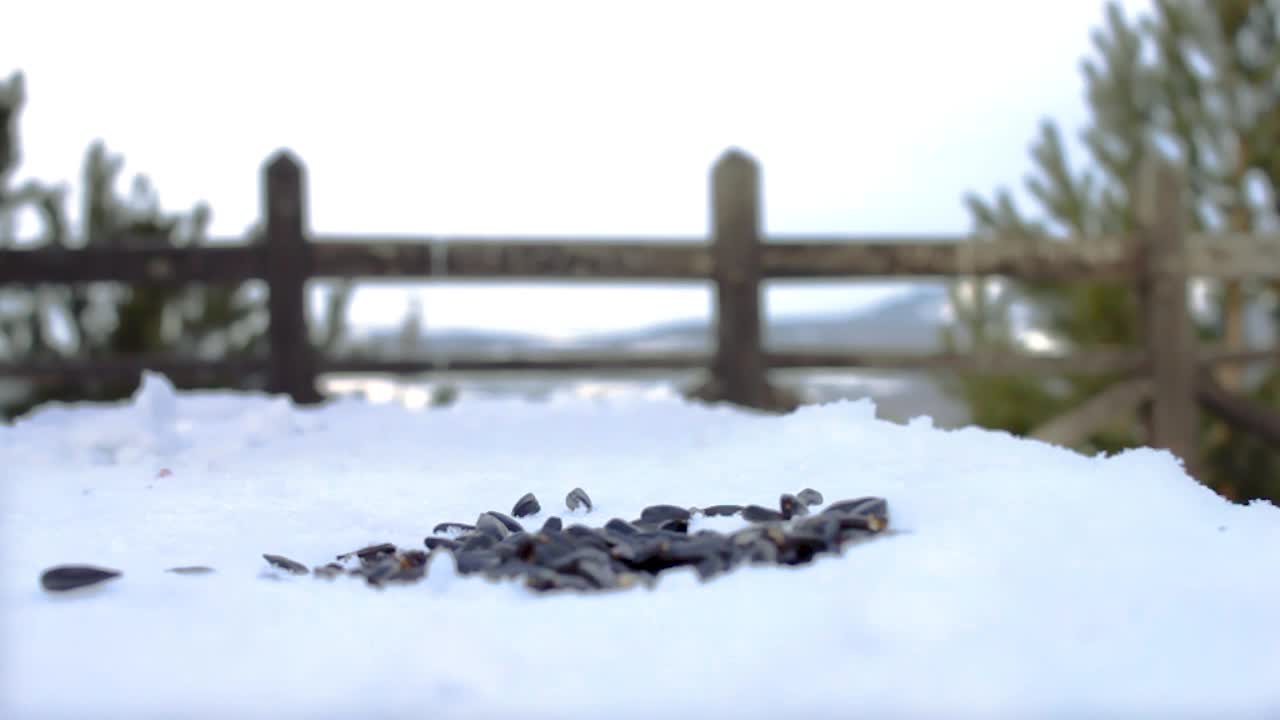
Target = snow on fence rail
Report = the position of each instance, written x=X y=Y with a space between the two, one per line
x=1170 y=369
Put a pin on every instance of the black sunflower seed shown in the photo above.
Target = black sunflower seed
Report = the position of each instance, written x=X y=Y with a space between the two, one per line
x=552 y=525
x=721 y=510
x=525 y=506
x=285 y=563
x=70 y=577
x=861 y=524
x=478 y=561
x=658 y=514
x=379 y=572
x=370 y=552
x=620 y=526
x=452 y=527
x=478 y=541
x=507 y=521
x=791 y=507
x=436 y=542
x=328 y=571
x=576 y=497
x=809 y=496
x=857 y=506
x=873 y=510
x=825 y=526
x=798 y=549
x=710 y=567
x=550 y=581
x=598 y=572
x=191 y=570
x=755 y=513
x=676 y=526
x=488 y=524
x=411 y=558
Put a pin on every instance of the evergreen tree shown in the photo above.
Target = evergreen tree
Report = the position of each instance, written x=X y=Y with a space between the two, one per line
x=1200 y=83
x=106 y=319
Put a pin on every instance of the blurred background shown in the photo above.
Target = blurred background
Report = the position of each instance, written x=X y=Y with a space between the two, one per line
x=152 y=120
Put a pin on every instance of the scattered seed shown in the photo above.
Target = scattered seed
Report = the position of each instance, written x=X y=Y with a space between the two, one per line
x=451 y=527
x=191 y=570
x=791 y=506
x=552 y=525
x=285 y=563
x=478 y=561
x=620 y=526
x=436 y=542
x=755 y=513
x=478 y=541
x=677 y=526
x=658 y=514
x=859 y=505
x=525 y=506
x=328 y=571
x=809 y=496
x=507 y=521
x=70 y=577
x=721 y=510
x=370 y=552
x=576 y=497
x=490 y=525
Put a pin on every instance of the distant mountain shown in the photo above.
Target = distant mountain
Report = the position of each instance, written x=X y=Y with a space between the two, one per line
x=909 y=323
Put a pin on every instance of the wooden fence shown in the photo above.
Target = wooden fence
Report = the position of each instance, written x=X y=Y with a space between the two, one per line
x=1169 y=370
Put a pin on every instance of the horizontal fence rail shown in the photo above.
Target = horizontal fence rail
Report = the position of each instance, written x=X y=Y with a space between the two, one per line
x=1118 y=361
x=495 y=258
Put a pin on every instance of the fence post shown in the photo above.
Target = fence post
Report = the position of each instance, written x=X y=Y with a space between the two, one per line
x=288 y=265
x=738 y=371
x=1168 y=333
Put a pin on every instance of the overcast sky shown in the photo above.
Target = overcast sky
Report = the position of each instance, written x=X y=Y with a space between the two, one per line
x=557 y=118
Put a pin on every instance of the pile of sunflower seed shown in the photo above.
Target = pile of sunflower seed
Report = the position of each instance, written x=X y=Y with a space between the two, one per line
x=618 y=555
x=622 y=553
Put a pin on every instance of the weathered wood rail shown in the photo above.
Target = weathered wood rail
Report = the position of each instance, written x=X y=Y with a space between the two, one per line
x=1168 y=370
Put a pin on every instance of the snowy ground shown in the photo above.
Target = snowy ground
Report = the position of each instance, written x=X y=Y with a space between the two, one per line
x=1029 y=582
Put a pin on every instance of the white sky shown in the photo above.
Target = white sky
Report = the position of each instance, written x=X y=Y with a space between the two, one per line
x=557 y=117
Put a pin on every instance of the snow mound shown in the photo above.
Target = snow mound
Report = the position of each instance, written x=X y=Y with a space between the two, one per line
x=1026 y=580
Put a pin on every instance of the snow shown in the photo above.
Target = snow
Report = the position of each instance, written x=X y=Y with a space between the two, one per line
x=1026 y=581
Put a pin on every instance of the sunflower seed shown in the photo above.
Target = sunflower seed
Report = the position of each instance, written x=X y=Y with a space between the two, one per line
x=857 y=506
x=809 y=496
x=478 y=541
x=576 y=497
x=370 y=552
x=507 y=521
x=525 y=506
x=721 y=510
x=191 y=570
x=285 y=563
x=435 y=542
x=489 y=525
x=791 y=507
x=328 y=571
x=658 y=514
x=676 y=526
x=477 y=561
x=451 y=527
x=70 y=577
x=755 y=513
x=620 y=526
x=552 y=525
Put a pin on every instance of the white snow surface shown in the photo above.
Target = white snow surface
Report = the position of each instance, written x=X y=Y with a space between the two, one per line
x=1026 y=580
